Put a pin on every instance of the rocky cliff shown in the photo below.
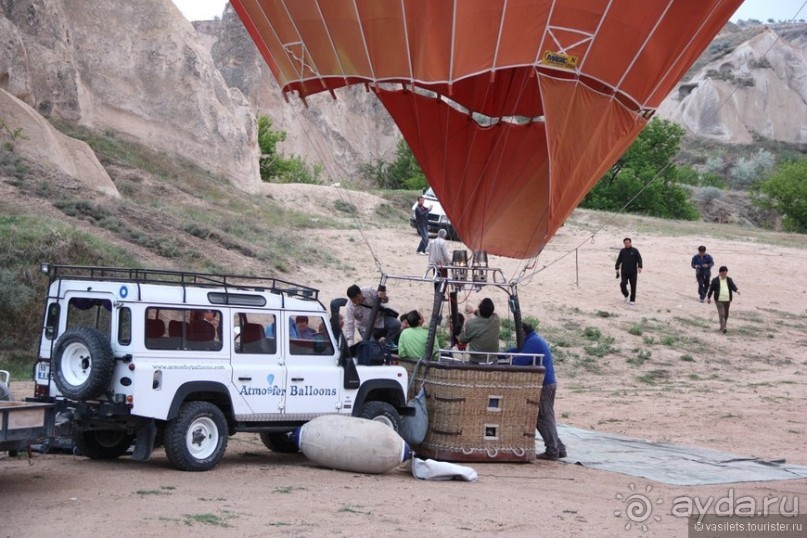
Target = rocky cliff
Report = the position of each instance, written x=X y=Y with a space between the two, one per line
x=136 y=68
x=757 y=88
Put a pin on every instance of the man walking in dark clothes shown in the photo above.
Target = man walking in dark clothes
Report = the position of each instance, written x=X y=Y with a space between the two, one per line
x=702 y=263
x=630 y=261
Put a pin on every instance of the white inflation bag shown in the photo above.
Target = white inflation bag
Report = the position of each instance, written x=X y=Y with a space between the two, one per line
x=352 y=444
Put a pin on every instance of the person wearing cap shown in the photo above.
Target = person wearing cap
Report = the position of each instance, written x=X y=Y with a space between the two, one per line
x=702 y=263
x=303 y=330
x=722 y=288
x=546 y=425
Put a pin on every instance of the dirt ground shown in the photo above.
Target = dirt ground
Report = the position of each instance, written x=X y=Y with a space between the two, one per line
x=669 y=376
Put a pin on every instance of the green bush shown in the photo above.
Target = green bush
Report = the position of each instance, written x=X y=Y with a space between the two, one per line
x=785 y=191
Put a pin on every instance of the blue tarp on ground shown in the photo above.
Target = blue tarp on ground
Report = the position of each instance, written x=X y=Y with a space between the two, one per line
x=668 y=463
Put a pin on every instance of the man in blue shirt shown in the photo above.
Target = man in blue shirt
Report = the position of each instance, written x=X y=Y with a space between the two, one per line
x=702 y=263
x=534 y=344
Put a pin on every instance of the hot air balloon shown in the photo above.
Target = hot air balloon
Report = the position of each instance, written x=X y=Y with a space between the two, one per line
x=513 y=108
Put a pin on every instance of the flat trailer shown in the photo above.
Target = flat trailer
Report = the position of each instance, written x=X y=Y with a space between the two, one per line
x=22 y=423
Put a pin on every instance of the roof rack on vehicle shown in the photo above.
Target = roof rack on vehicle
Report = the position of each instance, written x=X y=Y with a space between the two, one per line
x=183 y=278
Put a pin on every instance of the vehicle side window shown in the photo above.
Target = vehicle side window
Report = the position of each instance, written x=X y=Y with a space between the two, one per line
x=308 y=336
x=125 y=326
x=254 y=333
x=88 y=312
x=188 y=329
x=52 y=320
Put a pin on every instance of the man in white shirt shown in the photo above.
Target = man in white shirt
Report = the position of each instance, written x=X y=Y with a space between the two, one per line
x=358 y=315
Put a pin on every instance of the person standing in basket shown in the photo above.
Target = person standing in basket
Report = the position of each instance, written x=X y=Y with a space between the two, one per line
x=481 y=333
x=422 y=223
x=630 y=261
x=413 y=339
x=546 y=425
x=722 y=287
x=702 y=263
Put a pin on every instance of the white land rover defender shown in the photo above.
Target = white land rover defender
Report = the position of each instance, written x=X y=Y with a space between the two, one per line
x=187 y=359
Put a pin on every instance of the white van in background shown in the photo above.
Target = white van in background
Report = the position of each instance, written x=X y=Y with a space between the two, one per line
x=438 y=220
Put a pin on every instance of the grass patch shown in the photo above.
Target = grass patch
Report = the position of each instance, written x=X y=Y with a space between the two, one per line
x=642 y=356
x=636 y=329
x=588 y=364
x=592 y=333
x=349 y=508
x=687 y=358
x=285 y=490
x=345 y=207
x=207 y=519
x=669 y=340
x=601 y=348
x=654 y=377
x=605 y=314
x=144 y=492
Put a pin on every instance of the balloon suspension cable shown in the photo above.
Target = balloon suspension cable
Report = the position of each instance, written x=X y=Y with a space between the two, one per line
x=532 y=265
x=343 y=193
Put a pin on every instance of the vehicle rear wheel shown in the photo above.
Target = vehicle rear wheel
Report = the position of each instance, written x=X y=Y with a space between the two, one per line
x=280 y=442
x=195 y=440
x=103 y=445
x=382 y=412
x=83 y=363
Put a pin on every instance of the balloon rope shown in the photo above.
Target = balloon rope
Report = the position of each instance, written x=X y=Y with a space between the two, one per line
x=344 y=194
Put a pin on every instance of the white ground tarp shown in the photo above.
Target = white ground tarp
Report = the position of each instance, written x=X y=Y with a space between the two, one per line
x=667 y=463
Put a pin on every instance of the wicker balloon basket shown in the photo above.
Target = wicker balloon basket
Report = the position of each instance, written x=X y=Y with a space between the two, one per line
x=478 y=413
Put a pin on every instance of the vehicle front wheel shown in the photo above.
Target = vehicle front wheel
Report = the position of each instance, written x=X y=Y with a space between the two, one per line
x=195 y=440
x=279 y=442
x=382 y=412
x=103 y=445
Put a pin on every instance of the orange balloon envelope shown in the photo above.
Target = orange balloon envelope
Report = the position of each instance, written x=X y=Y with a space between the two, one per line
x=513 y=108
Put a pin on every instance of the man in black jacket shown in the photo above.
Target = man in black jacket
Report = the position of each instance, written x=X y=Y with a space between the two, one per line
x=630 y=261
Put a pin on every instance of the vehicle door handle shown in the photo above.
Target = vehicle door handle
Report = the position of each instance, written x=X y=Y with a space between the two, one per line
x=245 y=379
x=297 y=378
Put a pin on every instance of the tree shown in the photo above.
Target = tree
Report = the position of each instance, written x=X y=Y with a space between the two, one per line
x=785 y=191
x=276 y=168
x=647 y=173
x=403 y=173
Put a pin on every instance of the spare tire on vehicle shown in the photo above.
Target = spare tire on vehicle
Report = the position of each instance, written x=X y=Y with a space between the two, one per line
x=83 y=363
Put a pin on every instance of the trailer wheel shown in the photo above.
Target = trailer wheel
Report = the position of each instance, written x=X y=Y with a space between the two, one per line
x=83 y=363
x=196 y=439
